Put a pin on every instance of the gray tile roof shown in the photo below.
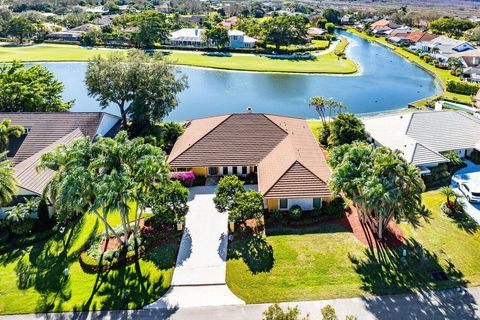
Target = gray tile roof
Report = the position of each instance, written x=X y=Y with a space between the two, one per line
x=444 y=130
x=422 y=136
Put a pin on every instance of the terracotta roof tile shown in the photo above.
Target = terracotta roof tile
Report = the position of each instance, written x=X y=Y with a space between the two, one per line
x=290 y=161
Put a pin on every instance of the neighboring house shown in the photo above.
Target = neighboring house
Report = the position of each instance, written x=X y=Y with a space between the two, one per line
x=399 y=31
x=194 y=37
x=68 y=35
x=282 y=151
x=382 y=27
x=443 y=48
x=411 y=38
x=423 y=136
x=187 y=37
x=314 y=32
x=98 y=10
x=44 y=132
x=195 y=19
x=471 y=62
x=239 y=40
x=229 y=23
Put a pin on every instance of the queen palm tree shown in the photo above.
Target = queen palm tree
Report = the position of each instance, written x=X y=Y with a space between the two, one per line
x=322 y=105
x=8 y=184
x=8 y=130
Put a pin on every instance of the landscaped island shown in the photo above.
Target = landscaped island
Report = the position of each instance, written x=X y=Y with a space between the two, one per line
x=323 y=63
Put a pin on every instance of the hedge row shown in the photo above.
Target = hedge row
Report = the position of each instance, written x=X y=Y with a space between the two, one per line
x=462 y=87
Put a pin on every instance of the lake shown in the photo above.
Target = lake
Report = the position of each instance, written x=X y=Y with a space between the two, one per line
x=386 y=82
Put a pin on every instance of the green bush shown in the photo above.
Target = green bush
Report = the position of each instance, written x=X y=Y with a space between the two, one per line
x=295 y=212
x=276 y=215
x=328 y=313
x=335 y=208
x=462 y=87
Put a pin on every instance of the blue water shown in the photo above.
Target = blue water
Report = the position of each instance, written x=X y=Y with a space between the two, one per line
x=386 y=82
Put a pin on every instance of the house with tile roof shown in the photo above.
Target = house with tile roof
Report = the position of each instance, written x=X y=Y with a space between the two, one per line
x=282 y=151
x=383 y=26
x=45 y=131
x=423 y=137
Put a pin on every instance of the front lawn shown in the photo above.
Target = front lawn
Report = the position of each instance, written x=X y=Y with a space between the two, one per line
x=33 y=278
x=329 y=262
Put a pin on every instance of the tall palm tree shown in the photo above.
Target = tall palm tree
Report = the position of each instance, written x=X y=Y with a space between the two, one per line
x=322 y=105
x=8 y=184
x=8 y=130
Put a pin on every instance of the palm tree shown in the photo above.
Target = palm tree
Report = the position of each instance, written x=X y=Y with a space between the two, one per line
x=6 y=131
x=322 y=104
x=8 y=184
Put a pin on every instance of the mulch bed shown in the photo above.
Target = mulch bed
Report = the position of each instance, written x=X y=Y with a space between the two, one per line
x=394 y=236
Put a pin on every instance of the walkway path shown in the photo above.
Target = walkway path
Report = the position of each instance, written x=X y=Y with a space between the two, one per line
x=461 y=304
x=199 y=276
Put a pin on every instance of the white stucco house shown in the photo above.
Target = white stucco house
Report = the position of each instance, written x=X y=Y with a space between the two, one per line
x=194 y=37
x=422 y=137
x=445 y=47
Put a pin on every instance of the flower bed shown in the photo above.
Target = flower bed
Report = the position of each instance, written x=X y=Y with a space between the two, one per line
x=102 y=255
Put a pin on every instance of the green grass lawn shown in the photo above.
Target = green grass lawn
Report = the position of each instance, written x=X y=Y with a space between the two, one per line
x=328 y=63
x=328 y=262
x=33 y=281
x=315 y=126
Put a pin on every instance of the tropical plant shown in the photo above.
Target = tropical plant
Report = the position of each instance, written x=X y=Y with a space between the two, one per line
x=381 y=184
x=328 y=313
x=19 y=218
x=143 y=87
x=109 y=176
x=8 y=184
x=346 y=128
x=227 y=189
x=20 y=28
x=322 y=105
x=8 y=130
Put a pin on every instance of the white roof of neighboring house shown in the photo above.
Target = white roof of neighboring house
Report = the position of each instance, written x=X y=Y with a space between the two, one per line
x=248 y=39
x=445 y=41
x=421 y=136
x=235 y=33
x=187 y=34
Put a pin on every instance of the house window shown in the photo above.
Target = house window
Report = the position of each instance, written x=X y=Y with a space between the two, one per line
x=244 y=170
x=234 y=170
x=317 y=202
x=283 y=204
x=225 y=171
x=255 y=169
x=212 y=171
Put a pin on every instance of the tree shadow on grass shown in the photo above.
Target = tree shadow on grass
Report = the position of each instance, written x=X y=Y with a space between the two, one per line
x=130 y=287
x=300 y=230
x=465 y=222
x=386 y=271
x=256 y=252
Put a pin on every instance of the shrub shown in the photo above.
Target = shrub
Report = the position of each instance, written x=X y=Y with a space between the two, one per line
x=462 y=87
x=295 y=212
x=44 y=222
x=335 y=208
x=186 y=178
x=199 y=181
x=275 y=312
x=453 y=157
x=328 y=313
x=169 y=204
x=226 y=192
x=18 y=218
x=276 y=215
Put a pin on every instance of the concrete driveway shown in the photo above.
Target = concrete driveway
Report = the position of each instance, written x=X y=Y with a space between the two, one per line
x=199 y=276
x=471 y=173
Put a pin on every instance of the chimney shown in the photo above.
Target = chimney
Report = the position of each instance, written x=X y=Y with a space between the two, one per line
x=249 y=109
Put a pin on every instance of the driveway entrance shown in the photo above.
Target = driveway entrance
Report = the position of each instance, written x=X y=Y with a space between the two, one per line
x=199 y=276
